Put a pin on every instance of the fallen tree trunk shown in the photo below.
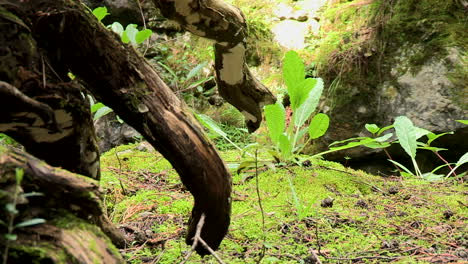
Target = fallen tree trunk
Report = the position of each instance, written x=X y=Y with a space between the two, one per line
x=122 y=79
x=69 y=203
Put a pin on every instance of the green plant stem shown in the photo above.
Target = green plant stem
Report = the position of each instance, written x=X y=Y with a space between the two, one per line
x=10 y=225
x=262 y=255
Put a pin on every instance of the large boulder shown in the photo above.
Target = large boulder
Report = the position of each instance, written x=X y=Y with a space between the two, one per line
x=401 y=65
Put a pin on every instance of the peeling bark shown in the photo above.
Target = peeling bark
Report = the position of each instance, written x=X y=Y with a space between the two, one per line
x=225 y=24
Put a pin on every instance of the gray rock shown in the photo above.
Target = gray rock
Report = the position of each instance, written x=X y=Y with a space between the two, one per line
x=112 y=133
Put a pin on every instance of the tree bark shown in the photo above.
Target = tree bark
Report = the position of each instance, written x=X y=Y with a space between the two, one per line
x=225 y=24
x=121 y=78
x=47 y=115
x=68 y=203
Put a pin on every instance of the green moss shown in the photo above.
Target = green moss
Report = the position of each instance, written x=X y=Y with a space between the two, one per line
x=360 y=42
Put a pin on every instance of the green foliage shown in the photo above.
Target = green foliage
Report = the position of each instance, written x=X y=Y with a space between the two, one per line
x=12 y=212
x=130 y=35
x=100 y=13
x=304 y=94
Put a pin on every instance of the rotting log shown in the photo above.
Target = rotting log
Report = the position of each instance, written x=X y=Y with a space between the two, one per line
x=122 y=79
x=226 y=25
x=76 y=229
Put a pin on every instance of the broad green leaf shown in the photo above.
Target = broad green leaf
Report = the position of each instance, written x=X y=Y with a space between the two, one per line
x=318 y=125
x=96 y=107
x=463 y=121
x=275 y=120
x=142 y=35
x=31 y=222
x=195 y=70
x=210 y=124
x=373 y=128
x=130 y=33
x=124 y=37
x=377 y=145
x=293 y=71
x=100 y=12
x=462 y=160
x=117 y=28
x=429 y=176
x=285 y=146
x=102 y=112
x=304 y=111
x=299 y=95
x=431 y=136
x=419 y=132
x=406 y=134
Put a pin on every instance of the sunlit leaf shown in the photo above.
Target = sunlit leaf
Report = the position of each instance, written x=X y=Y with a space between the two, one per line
x=310 y=103
x=318 y=125
x=373 y=128
x=142 y=35
x=275 y=120
x=406 y=134
x=100 y=12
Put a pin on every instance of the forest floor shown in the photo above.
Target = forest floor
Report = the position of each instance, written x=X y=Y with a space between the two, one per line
x=323 y=209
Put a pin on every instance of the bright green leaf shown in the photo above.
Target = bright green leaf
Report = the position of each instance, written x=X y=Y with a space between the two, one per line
x=275 y=120
x=131 y=32
x=102 y=112
x=117 y=28
x=406 y=134
x=210 y=124
x=463 y=121
x=373 y=128
x=383 y=129
x=402 y=167
x=96 y=107
x=142 y=35
x=31 y=222
x=100 y=12
x=293 y=71
x=285 y=146
x=462 y=160
x=303 y=112
x=431 y=136
x=318 y=125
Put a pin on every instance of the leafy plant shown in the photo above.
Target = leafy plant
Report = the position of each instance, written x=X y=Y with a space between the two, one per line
x=130 y=35
x=12 y=212
x=304 y=94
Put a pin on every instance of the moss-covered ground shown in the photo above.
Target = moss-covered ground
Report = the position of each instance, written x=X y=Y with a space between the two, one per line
x=324 y=210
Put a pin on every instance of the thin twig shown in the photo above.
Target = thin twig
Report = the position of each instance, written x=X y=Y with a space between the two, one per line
x=262 y=254
x=144 y=25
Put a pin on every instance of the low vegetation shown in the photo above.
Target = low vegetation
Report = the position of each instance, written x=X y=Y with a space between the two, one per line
x=319 y=208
